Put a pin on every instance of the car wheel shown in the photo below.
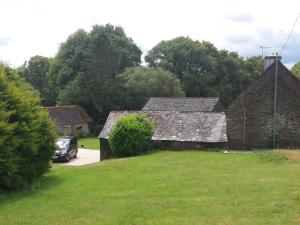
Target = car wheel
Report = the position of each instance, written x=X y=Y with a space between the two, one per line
x=75 y=156
x=67 y=158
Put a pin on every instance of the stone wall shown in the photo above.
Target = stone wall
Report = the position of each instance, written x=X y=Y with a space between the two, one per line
x=106 y=153
x=74 y=129
x=184 y=145
x=80 y=128
x=250 y=116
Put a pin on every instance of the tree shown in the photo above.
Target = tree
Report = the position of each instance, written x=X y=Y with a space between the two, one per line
x=36 y=72
x=182 y=54
x=27 y=136
x=95 y=87
x=202 y=68
x=296 y=69
x=141 y=83
x=71 y=59
x=8 y=70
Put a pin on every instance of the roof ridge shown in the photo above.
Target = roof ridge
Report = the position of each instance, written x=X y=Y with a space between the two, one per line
x=168 y=111
x=63 y=106
x=185 y=97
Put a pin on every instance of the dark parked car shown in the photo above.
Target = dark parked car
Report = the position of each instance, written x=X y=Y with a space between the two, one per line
x=66 y=149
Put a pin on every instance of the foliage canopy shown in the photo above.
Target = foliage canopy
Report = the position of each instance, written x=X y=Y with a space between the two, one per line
x=91 y=83
x=296 y=69
x=141 y=83
x=36 y=72
x=27 y=134
x=203 y=69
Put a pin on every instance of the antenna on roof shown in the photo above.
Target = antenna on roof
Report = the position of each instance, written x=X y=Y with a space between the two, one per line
x=290 y=34
x=262 y=50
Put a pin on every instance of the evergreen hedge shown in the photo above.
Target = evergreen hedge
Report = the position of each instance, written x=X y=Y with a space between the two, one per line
x=131 y=135
x=27 y=136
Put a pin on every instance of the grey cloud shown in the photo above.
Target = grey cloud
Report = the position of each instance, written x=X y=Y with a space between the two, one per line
x=245 y=50
x=5 y=41
x=239 y=39
x=248 y=46
x=291 y=53
x=276 y=40
x=265 y=33
x=243 y=18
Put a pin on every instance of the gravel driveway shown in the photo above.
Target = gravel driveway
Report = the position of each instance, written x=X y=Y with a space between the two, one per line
x=84 y=156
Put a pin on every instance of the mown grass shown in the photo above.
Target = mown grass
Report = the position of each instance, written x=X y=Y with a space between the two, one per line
x=175 y=188
x=89 y=143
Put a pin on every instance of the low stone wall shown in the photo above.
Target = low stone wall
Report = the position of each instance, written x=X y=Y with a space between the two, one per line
x=106 y=153
x=181 y=145
x=72 y=129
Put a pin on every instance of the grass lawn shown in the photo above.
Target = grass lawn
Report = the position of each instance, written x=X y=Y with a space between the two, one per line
x=89 y=143
x=175 y=188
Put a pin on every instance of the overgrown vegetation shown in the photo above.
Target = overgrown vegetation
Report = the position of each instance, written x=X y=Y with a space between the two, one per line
x=131 y=136
x=274 y=156
x=26 y=134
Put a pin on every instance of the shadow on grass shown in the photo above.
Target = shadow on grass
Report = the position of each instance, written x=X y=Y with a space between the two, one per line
x=42 y=185
x=156 y=151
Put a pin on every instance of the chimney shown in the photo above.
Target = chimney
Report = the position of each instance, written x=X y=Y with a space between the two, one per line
x=269 y=59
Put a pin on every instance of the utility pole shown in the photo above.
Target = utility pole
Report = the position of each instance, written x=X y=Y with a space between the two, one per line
x=244 y=145
x=275 y=101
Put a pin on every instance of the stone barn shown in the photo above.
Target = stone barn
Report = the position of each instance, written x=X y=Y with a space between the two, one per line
x=175 y=130
x=184 y=104
x=70 y=119
x=267 y=114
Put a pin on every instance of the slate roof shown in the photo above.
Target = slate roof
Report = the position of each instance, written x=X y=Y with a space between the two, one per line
x=183 y=104
x=68 y=115
x=178 y=126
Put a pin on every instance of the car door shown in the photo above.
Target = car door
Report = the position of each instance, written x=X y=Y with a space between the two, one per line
x=72 y=148
x=75 y=146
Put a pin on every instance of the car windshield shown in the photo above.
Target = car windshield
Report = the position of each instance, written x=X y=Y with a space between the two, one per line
x=62 y=143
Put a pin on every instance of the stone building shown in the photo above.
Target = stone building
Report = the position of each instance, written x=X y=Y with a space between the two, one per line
x=264 y=118
x=179 y=124
x=70 y=119
x=184 y=104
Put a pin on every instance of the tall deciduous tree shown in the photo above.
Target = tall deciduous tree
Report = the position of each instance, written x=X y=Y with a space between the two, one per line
x=141 y=83
x=36 y=72
x=202 y=68
x=71 y=59
x=95 y=87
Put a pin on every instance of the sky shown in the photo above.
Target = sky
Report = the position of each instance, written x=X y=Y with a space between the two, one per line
x=37 y=27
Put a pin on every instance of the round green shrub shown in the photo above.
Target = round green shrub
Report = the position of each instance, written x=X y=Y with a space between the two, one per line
x=131 y=135
x=27 y=136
